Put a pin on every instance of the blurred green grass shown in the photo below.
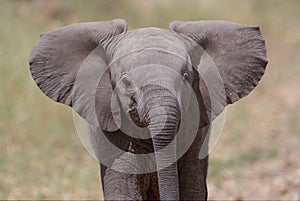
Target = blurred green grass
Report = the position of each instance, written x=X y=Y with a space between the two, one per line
x=41 y=156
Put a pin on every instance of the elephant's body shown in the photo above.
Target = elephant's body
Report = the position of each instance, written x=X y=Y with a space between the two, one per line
x=137 y=48
x=150 y=96
x=192 y=171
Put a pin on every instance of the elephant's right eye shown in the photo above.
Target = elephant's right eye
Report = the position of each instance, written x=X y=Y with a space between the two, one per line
x=186 y=76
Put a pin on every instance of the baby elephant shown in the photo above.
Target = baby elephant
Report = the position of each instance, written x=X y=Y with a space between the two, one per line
x=149 y=96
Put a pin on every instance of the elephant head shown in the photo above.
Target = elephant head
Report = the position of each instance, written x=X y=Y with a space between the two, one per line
x=99 y=70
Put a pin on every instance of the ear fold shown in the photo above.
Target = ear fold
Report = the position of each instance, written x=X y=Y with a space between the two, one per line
x=58 y=57
x=238 y=51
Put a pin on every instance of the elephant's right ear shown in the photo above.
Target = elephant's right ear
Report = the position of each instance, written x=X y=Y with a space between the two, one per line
x=56 y=59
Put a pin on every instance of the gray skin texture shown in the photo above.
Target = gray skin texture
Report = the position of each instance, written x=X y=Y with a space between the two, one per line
x=60 y=69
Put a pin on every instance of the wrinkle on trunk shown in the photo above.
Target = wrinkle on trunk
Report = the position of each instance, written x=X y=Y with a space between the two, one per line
x=161 y=110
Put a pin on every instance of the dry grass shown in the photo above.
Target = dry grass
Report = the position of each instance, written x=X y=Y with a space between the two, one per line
x=41 y=156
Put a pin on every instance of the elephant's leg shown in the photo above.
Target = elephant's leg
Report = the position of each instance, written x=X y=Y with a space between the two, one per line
x=192 y=179
x=119 y=186
x=192 y=170
x=149 y=186
x=146 y=189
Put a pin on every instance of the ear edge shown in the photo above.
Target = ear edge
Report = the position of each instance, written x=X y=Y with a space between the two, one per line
x=259 y=55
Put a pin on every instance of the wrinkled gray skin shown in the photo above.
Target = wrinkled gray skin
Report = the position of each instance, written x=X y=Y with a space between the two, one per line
x=238 y=52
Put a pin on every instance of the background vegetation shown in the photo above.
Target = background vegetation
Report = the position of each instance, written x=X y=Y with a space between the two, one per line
x=41 y=156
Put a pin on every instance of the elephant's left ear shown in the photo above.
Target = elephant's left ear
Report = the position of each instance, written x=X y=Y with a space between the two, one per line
x=237 y=50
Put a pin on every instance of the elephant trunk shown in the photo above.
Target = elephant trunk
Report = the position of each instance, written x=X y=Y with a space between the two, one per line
x=162 y=113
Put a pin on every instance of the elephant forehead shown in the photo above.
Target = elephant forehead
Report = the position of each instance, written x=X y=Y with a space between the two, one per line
x=150 y=38
x=144 y=57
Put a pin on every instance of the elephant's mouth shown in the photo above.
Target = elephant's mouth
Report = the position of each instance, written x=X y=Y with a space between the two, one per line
x=137 y=120
x=133 y=113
